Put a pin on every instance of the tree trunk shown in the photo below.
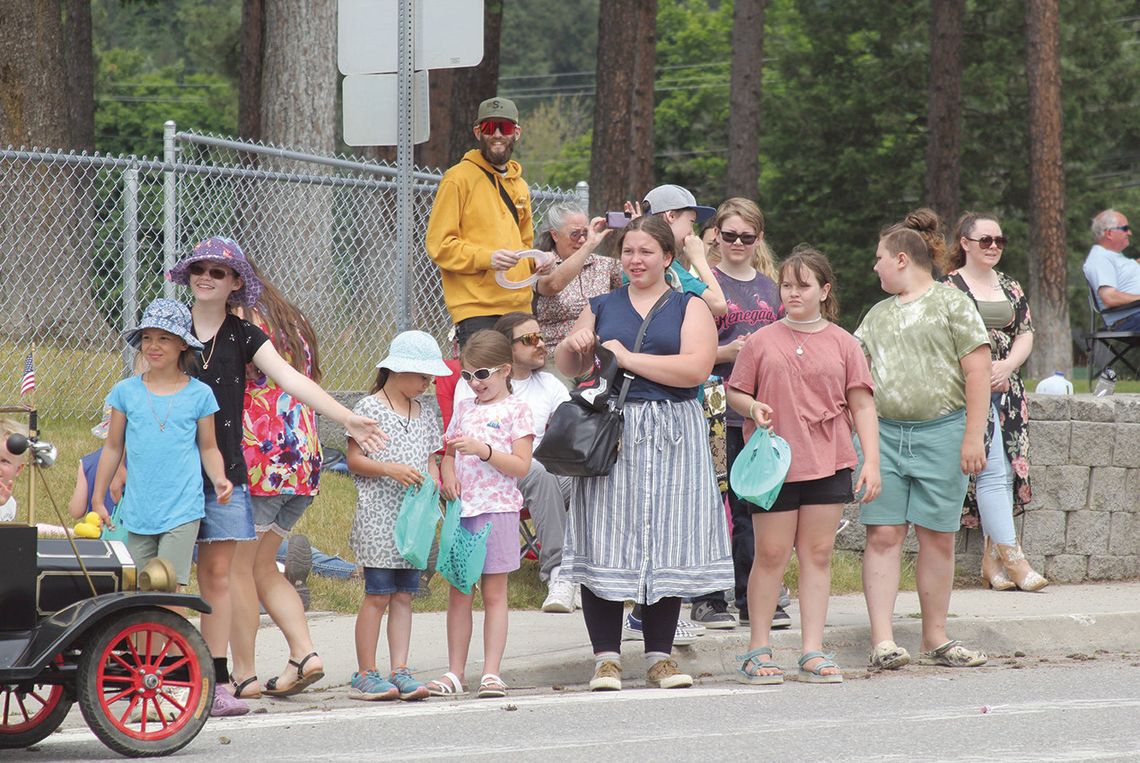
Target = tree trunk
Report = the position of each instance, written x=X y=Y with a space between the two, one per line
x=290 y=228
x=80 y=67
x=44 y=261
x=249 y=72
x=1048 y=254
x=742 y=175
x=456 y=94
x=621 y=160
x=944 y=108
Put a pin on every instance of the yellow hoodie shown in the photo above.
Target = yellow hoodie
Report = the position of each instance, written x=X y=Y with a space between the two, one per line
x=469 y=220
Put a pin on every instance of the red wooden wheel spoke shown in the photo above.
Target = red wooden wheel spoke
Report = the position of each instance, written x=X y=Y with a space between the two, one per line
x=172 y=700
x=162 y=655
x=23 y=710
x=115 y=656
x=116 y=697
x=174 y=666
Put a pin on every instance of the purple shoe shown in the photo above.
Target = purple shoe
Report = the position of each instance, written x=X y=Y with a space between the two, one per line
x=226 y=705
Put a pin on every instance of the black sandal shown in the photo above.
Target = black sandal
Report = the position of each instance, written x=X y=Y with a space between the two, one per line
x=240 y=687
x=303 y=681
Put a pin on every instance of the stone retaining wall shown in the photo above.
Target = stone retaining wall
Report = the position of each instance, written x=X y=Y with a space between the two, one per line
x=1084 y=521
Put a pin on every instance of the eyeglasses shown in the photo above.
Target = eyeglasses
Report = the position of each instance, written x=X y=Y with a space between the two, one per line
x=533 y=339
x=578 y=234
x=482 y=374
x=986 y=242
x=1124 y=228
x=505 y=126
x=730 y=237
x=216 y=273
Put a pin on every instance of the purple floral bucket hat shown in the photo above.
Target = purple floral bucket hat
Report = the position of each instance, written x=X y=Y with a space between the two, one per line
x=224 y=251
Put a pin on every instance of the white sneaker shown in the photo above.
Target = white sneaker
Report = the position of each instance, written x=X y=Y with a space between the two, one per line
x=559 y=596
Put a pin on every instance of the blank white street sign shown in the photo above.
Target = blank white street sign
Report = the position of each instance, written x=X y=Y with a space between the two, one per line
x=449 y=34
x=370 y=109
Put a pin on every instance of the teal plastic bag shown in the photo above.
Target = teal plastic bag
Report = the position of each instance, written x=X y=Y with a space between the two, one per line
x=120 y=532
x=461 y=553
x=758 y=472
x=416 y=523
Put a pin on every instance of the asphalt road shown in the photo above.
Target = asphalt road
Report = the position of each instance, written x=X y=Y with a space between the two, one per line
x=1014 y=710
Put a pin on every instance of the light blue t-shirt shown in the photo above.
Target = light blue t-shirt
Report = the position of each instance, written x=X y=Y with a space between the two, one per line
x=164 y=481
x=1104 y=267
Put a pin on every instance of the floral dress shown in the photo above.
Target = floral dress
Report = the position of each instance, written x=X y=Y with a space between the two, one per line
x=1013 y=410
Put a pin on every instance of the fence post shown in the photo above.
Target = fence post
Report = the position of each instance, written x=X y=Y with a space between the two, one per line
x=169 y=208
x=582 y=191
x=404 y=146
x=130 y=256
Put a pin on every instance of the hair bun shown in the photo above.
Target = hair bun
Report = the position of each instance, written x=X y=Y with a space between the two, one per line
x=923 y=219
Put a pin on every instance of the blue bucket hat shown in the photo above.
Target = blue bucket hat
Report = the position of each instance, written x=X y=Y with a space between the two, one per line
x=224 y=251
x=415 y=352
x=168 y=315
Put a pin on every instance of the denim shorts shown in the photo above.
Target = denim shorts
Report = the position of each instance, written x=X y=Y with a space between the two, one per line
x=923 y=483
x=381 y=581
x=278 y=513
x=227 y=521
x=176 y=546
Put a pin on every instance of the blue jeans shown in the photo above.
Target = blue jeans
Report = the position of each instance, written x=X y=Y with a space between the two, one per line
x=323 y=564
x=1128 y=323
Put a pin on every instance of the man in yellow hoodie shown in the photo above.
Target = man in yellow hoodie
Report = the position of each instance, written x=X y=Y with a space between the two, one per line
x=480 y=221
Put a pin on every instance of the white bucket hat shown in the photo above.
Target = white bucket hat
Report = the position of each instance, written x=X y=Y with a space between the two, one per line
x=415 y=352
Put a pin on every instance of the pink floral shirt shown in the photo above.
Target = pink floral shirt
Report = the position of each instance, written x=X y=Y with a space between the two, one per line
x=483 y=488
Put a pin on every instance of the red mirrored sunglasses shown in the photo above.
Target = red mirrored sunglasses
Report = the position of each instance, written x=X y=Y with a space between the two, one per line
x=505 y=126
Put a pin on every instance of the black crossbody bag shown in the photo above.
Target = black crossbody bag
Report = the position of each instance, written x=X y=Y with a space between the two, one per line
x=582 y=441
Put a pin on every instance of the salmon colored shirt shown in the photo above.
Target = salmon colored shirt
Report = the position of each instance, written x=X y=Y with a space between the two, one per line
x=807 y=392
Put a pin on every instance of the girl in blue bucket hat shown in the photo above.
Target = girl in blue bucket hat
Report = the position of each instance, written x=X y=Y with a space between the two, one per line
x=165 y=419
x=221 y=277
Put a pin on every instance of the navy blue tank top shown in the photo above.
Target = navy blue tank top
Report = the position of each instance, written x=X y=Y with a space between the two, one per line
x=615 y=318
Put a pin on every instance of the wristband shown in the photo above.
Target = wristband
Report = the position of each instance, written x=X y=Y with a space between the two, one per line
x=490 y=453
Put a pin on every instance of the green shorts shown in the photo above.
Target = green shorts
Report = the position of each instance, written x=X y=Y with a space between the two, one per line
x=923 y=483
x=175 y=546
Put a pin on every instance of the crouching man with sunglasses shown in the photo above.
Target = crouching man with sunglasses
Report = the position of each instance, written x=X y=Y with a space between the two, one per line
x=545 y=495
x=480 y=221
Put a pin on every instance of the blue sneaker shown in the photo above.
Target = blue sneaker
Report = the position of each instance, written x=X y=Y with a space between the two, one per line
x=408 y=687
x=631 y=629
x=370 y=686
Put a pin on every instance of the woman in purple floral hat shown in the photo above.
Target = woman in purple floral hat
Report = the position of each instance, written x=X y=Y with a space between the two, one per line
x=221 y=279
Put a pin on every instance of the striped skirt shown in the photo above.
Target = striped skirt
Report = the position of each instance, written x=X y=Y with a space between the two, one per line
x=655 y=526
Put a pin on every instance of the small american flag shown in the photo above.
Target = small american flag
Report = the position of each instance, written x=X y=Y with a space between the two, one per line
x=28 y=383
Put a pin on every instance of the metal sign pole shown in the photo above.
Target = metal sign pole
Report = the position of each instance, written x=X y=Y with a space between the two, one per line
x=406 y=66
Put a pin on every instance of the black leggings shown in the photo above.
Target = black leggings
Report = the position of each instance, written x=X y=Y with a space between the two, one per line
x=604 y=620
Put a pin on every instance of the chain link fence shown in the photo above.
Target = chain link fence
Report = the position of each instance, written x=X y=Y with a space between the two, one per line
x=85 y=242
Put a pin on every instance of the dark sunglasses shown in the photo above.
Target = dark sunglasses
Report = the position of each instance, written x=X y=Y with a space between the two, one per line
x=986 y=242
x=729 y=237
x=505 y=126
x=217 y=273
x=1124 y=228
x=482 y=374
x=578 y=234
x=533 y=339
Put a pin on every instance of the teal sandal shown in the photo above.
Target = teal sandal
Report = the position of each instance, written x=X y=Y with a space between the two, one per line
x=816 y=675
x=751 y=664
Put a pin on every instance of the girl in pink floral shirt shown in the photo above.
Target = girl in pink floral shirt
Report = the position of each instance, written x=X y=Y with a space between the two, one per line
x=488 y=442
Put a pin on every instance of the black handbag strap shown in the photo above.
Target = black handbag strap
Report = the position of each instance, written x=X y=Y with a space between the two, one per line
x=506 y=197
x=660 y=303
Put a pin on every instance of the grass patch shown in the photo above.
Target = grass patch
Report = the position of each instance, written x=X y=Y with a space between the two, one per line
x=847 y=573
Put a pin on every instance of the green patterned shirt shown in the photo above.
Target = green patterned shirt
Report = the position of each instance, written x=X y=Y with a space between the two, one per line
x=915 y=350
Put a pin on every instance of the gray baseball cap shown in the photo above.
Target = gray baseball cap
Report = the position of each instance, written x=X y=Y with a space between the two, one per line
x=665 y=198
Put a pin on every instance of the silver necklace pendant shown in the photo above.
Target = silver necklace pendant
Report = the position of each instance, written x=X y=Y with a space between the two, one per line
x=799 y=350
